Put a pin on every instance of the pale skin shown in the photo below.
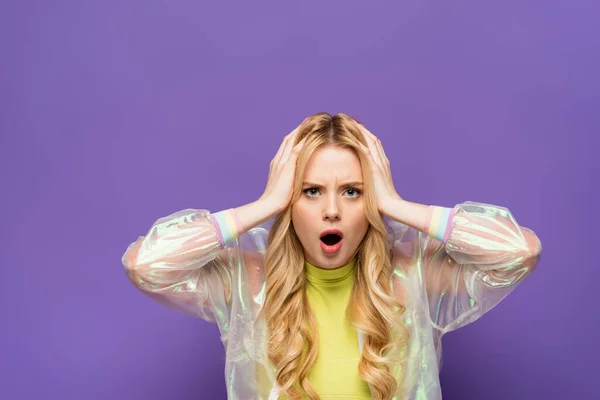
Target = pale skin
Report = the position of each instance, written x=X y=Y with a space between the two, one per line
x=331 y=198
x=333 y=205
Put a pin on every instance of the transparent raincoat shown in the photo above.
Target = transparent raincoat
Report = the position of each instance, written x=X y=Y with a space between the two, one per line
x=181 y=263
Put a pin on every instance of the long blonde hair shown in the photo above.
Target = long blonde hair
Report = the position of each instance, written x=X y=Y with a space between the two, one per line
x=293 y=335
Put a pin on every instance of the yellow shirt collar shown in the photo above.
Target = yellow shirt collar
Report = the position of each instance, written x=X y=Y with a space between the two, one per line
x=321 y=275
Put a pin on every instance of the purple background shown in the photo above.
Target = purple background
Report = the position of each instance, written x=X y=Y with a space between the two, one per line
x=113 y=114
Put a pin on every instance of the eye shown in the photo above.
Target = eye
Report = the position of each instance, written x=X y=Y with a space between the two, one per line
x=309 y=191
x=355 y=191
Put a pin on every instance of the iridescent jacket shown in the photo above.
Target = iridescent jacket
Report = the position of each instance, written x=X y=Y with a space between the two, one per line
x=444 y=285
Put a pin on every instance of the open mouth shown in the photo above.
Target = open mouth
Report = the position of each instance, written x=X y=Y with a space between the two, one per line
x=331 y=239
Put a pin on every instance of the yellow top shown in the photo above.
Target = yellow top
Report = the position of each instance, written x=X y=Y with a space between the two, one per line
x=335 y=372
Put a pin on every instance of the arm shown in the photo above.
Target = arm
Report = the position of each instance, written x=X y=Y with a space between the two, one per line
x=470 y=257
x=437 y=223
x=188 y=260
x=467 y=259
x=184 y=262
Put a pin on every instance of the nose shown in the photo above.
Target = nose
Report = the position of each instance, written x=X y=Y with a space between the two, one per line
x=331 y=211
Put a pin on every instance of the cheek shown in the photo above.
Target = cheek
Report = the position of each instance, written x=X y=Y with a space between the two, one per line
x=301 y=215
x=303 y=222
x=358 y=217
x=360 y=224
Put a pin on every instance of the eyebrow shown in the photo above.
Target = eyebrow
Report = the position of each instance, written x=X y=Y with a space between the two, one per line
x=353 y=183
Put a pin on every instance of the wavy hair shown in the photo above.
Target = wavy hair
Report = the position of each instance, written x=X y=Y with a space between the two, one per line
x=372 y=308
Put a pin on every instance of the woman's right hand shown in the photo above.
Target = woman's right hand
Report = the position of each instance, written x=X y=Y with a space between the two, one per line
x=278 y=192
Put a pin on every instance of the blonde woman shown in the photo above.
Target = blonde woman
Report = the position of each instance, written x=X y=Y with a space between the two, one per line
x=331 y=285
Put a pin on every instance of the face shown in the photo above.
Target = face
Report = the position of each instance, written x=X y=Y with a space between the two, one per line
x=331 y=198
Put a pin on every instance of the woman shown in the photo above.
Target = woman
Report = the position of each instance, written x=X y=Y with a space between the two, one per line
x=348 y=291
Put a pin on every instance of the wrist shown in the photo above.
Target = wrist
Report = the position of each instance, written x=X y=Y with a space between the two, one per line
x=392 y=205
x=407 y=212
x=439 y=223
x=267 y=208
x=227 y=225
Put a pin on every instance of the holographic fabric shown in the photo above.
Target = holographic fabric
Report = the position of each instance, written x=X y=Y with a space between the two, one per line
x=181 y=263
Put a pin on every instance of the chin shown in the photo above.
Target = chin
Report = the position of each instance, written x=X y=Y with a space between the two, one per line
x=331 y=262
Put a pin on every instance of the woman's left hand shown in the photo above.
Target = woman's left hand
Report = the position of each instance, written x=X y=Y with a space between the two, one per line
x=380 y=167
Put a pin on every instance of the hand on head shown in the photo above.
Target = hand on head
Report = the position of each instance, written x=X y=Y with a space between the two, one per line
x=380 y=168
x=278 y=192
x=282 y=169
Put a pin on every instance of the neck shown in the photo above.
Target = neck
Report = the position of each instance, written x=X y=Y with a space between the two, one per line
x=329 y=275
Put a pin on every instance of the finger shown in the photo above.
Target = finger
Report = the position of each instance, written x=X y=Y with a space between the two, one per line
x=300 y=144
x=365 y=131
x=369 y=155
x=292 y=149
x=383 y=160
x=382 y=156
x=374 y=138
x=368 y=136
x=372 y=145
x=284 y=143
x=386 y=161
x=279 y=151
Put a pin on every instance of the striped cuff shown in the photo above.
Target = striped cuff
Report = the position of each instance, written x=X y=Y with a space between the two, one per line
x=227 y=225
x=439 y=223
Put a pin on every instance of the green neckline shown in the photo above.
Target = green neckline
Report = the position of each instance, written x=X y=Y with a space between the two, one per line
x=321 y=275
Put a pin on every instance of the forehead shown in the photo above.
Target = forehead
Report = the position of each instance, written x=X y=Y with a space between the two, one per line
x=331 y=163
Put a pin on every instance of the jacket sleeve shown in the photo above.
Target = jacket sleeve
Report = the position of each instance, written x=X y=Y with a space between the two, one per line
x=184 y=262
x=470 y=258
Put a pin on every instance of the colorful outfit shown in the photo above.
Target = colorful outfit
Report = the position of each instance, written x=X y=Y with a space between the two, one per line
x=468 y=259
x=334 y=375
